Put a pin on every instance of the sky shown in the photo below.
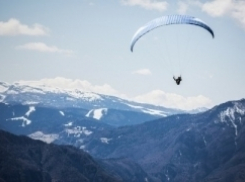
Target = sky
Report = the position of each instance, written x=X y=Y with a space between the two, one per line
x=85 y=44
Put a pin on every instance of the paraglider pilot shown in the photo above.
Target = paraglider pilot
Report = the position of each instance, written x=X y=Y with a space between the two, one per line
x=177 y=80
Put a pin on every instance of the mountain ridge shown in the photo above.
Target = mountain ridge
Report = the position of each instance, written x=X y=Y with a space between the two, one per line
x=184 y=147
x=56 y=97
x=23 y=159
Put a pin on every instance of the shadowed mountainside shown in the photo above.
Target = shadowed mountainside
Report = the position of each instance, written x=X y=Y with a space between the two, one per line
x=207 y=146
x=23 y=159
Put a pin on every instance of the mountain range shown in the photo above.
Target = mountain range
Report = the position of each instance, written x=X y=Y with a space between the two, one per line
x=101 y=107
x=128 y=142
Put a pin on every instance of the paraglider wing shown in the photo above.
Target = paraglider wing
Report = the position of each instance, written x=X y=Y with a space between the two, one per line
x=168 y=20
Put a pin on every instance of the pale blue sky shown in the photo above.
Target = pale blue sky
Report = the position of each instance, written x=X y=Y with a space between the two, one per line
x=87 y=43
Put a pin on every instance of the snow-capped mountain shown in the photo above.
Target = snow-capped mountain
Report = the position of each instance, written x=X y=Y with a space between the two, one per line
x=99 y=106
x=183 y=147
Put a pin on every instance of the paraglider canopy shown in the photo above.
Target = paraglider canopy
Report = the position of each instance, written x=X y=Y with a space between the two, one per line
x=168 y=20
x=172 y=20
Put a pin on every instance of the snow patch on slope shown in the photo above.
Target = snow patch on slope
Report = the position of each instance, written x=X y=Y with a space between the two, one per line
x=97 y=113
x=68 y=124
x=148 y=111
x=229 y=114
x=24 y=119
x=78 y=131
x=155 y=112
x=48 y=138
x=136 y=107
x=2 y=97
x=105 y=140
x=62 y=113
x=30 y=103
x=31 y=109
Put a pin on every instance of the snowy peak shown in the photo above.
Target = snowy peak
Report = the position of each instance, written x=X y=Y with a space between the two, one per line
x=87 y=96
x=232 y=114
x=37 y=93
x=229 y=111
x=3 y=87
x=18 y=88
